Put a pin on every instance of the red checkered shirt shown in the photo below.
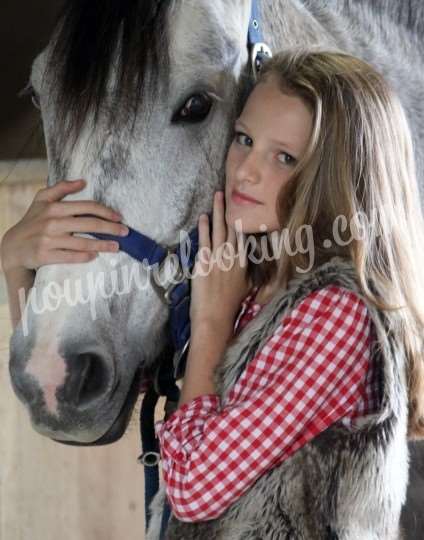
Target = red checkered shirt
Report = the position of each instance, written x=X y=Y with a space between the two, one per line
x=312 y=372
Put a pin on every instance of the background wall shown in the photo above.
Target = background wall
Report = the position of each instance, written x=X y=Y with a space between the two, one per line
x=48 y=490
x=24 y=31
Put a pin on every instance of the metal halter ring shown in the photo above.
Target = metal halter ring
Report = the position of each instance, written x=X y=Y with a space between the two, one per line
x=177 y=357
x=149 y=459
x=164 y=291
x=259 y=49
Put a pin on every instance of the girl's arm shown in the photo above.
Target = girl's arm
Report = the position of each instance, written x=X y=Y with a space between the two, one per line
x=45 y=236
x=310 y=374
x=15 y=280
x=207 y=346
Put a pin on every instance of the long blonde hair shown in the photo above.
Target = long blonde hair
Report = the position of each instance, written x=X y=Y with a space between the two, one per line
x=359 y=164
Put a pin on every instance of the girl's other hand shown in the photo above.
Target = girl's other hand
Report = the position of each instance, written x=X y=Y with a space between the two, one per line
x=219 y=282
x=44 y=235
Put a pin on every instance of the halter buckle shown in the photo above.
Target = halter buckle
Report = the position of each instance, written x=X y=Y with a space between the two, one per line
x=164 y=288
x=259 y=50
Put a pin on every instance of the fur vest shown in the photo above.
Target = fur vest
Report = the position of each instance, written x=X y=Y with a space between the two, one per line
x=347 y=483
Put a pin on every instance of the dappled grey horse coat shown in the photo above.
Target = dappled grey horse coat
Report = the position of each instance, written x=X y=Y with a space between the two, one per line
x=347 y=484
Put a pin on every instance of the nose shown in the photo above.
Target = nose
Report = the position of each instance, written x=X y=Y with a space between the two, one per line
x=249 y=168
x=89 y=378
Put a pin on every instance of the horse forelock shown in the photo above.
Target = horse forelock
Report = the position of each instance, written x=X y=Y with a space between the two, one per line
x=91 y=38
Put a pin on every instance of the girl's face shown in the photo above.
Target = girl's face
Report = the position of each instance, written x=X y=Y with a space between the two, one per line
x=271 y=134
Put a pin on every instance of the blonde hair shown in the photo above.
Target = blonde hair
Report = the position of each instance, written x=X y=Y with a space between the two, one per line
x=359 y=162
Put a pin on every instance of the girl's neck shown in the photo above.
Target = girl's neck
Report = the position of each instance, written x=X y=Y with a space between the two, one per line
x=265 y=293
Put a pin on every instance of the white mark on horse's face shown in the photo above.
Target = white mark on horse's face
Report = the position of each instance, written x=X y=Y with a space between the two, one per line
x=46 y=365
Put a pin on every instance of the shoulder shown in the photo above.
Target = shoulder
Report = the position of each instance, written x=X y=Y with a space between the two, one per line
x=333 y=302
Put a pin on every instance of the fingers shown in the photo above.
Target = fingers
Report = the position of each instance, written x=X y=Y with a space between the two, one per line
x=58 y=226
x=74 y=249
x=59 y=190
x=204 y=252
x=231 y=236
x=204 y=234
x=219 y=228
x=59 y=256
x=241 y=252
x=55 y=193
x=75 y=208
x=235 y=238
x=76 y=243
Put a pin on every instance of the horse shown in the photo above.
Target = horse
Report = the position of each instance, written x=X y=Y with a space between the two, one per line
x=139 y=98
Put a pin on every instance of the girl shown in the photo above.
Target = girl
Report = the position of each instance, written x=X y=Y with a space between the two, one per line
x=293 y=422
x=294 y=410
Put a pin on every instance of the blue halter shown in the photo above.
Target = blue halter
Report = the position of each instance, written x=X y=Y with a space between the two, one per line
x=144 y=249
x=258 y=49
x=177 y=297
x=175 y=291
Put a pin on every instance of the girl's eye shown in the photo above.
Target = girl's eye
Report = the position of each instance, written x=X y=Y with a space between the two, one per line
x=242 y=138
x=287 y=159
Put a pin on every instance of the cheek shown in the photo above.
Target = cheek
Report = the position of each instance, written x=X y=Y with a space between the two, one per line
x=230 y=156
x=272 y=190
x=280 y=180
x=230 y=165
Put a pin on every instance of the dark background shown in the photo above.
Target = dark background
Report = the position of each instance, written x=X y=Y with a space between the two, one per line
x=25 y=28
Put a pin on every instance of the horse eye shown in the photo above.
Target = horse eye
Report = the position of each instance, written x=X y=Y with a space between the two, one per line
x=195 y=109
x=29 y=91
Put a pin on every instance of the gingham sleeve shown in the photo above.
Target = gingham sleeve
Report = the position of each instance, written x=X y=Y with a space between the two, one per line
x=309 y=374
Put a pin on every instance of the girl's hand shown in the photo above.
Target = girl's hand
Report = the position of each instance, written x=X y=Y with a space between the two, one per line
x=44 y=235
x=219 y=282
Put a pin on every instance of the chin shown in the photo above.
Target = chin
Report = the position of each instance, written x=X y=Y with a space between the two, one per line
x=243 y=220
x=246 y=225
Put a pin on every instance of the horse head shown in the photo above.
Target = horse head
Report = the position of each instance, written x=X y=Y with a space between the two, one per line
x=140 y=102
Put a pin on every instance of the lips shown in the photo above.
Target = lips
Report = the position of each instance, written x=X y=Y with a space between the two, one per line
x=240 y=197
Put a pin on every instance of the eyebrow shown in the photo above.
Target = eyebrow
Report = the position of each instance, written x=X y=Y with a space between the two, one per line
x=275 y=141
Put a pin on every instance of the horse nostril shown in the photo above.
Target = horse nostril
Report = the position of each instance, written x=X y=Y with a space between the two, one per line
x=87 y=379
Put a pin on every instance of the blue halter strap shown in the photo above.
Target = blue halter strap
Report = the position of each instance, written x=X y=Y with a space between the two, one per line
x=172 y=286
x=258 y=49
x=177 y=296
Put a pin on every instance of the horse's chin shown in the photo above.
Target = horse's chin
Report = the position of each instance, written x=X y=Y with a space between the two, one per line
x=119 y=426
